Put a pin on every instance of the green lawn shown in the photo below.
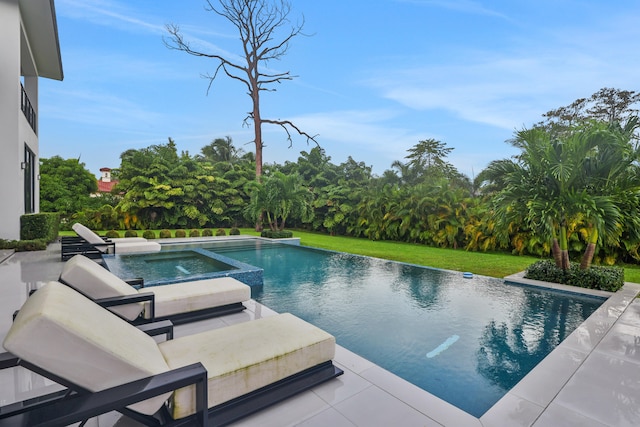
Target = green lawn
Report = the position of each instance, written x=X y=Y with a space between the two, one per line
x=487 y=264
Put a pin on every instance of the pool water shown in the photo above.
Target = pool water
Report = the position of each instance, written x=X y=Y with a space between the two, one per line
x=155 y=267
x=467 y=341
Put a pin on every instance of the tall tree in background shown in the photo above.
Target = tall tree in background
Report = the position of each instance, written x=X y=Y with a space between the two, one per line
x=260 y=26
x=607 y=105
x=65 y=186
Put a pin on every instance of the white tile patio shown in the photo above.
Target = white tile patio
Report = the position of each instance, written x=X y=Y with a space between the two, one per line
x=591 y=379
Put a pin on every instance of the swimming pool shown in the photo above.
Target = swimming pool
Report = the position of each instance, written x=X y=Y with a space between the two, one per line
x=467 y=341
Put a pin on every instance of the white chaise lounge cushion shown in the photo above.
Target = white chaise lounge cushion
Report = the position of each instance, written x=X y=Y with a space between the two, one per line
x=247 y=356
x=88 y=235
x=137 y=244
x=64 y=333
x=97 y=282
x=196 y=295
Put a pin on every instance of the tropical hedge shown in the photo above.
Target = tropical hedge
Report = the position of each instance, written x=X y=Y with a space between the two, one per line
x=571 y=192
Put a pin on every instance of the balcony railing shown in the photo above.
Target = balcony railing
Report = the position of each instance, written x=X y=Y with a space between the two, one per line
x=27 y=109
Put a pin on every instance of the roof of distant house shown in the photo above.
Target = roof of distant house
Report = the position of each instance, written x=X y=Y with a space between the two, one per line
x=106 y=186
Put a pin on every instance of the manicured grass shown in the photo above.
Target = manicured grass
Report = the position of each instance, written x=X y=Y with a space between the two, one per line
x=486 y=264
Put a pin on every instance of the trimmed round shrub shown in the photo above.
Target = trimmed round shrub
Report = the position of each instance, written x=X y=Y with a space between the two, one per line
x=181 y=233
x=112 y=234
x=207 y=232
x=149 y=234
x=165 y=234
x=194 y=233
x=131 y=233
x=221 y=232
x=284 y=234
x=234 y=231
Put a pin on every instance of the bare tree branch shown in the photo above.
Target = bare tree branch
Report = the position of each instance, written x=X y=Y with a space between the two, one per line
x=286 y=124
x=260 y=25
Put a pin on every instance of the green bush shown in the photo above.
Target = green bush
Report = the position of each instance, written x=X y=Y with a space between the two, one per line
x=234 y=231
x=149 y=234
x=112 y=234
x=131 y=233
x=40 y=226
x=181 y=233
x=284 y=234
x=24 y=245
x=194 y=233
x=221 y=232
x=597 y=277
x=207 y=232
x=165 y=234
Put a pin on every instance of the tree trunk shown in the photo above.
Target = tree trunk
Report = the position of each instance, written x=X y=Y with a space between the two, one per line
x=257 y=134
x=587 y=257
x=557 y=254
x=564 y=248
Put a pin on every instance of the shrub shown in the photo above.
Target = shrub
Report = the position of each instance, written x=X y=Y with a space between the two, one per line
x=284 y=234
x=149 y=234
x=597 y=277
x=194 y=233
x=131 y=233
x=221 y=232
x=165 y=234
x=207 y=232
x=40 y=226
x=234 y=231
x=181 y=233
x=112 y=234
x=24 y=245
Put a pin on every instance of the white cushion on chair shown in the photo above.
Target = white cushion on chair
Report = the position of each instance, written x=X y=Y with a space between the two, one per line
x=96 y=282
x=88 y=235
x=135 y=244
x=196 y=295
x=64 y=333
x=247 y=356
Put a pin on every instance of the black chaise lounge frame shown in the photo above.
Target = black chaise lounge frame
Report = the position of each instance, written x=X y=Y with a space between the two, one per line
x=72 y=245
x=77 y=404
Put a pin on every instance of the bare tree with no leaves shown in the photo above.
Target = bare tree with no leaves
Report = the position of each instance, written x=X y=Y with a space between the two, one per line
x=259 y=23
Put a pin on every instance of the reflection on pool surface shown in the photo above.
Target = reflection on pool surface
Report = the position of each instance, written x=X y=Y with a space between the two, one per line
x=467 y=341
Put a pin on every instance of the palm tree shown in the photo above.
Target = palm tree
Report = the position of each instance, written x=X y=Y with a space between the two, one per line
x=555 y=183
x=280 y=197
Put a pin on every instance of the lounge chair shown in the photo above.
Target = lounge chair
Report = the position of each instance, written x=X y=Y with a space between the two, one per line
x=179 y=302
x=125 y=245
x=111 y=365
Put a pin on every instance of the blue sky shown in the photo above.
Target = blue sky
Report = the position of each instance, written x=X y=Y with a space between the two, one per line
x=374 y=76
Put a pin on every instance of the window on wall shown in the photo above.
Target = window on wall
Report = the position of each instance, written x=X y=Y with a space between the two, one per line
x=29 y=168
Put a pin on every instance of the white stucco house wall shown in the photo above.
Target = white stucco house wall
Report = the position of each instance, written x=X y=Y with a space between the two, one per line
x=29 y=49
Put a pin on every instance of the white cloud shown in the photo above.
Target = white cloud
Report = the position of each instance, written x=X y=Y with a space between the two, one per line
x=464 y=6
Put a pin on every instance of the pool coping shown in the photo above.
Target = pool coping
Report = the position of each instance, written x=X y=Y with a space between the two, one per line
x=538 y=389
